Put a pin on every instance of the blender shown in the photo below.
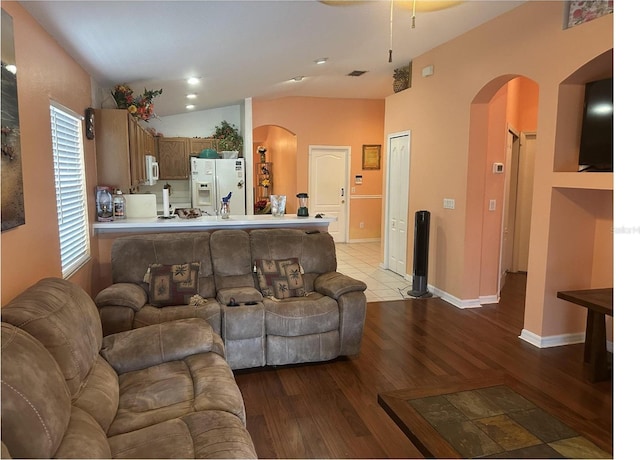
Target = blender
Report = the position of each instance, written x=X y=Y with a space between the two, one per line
x=302 y=202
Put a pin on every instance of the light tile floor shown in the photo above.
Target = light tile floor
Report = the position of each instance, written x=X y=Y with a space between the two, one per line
x=362 y=261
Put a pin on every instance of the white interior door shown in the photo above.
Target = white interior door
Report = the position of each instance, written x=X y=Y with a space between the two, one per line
x=397 y=202
x=328 y=186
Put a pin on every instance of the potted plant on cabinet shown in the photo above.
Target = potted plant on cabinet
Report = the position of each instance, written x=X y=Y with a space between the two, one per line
x=228 y=138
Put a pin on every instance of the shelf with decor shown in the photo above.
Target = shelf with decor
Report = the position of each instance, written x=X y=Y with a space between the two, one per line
x=264 y=181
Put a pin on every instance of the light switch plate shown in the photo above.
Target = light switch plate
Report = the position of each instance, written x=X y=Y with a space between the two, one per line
x=449 y=203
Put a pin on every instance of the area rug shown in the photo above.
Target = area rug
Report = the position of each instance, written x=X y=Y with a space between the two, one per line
x=488 y=417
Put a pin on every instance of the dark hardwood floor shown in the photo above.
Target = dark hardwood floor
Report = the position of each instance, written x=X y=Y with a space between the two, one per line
x=330 y=410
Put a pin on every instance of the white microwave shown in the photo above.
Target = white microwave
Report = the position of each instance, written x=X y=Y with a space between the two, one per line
x=153 y=172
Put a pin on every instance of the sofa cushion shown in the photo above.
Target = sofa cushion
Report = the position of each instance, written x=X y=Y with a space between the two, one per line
x=159 y=343
x=64 y=318
x=231 y=259
x=206 y=434
x=296 y=316
x=36 y=406
x=315 y=251
x=173 y=389
x=100 y=394
x=172 y=284
x=209 y=311
x=84 y=438
x=132 y=255
x=280 y=278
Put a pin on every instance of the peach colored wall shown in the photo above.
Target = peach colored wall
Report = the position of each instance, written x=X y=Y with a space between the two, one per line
x=493 y=190
x=438 y=109
x=344 y=122
x=45 y=72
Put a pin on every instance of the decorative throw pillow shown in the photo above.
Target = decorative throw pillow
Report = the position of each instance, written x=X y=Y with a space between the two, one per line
x=172 y=284
x=280 y=278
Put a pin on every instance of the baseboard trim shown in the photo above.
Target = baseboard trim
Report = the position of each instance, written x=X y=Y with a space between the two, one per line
x=556 y=340
x=364 y=240
x=453 y=300
x=489 y=299
x=551 y=340
x=462 y=303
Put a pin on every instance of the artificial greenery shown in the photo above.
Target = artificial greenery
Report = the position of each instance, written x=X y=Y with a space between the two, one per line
x=139 y=106
x=227 y=137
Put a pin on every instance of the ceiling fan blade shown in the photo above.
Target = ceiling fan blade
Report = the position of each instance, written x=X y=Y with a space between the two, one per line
x=420 y=5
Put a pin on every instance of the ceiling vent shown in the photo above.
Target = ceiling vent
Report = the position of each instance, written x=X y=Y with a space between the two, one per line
x=356 y=73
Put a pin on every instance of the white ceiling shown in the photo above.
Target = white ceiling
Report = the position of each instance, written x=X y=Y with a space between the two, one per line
x=246 y=49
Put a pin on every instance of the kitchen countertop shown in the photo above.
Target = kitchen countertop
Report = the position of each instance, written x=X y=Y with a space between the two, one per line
x=212 y=222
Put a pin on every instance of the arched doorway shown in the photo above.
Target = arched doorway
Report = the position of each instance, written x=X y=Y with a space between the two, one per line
x=282 y=146
x=504 y=107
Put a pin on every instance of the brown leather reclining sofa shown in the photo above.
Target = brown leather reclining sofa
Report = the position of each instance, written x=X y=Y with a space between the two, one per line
x=272 y=294
x=163 y=391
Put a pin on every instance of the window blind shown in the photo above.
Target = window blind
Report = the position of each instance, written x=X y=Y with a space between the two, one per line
x=71 y=196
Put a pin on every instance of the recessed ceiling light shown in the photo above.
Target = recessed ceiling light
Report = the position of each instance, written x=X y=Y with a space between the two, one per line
x=193 y=80
x=298 y=78
x=190 y=107
x=192 y=96
x=321 y=60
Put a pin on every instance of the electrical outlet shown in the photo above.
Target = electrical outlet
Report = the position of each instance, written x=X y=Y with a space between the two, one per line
x=361 y=224
x=449 y=203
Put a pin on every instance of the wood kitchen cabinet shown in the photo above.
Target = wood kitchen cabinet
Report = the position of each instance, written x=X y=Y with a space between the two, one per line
x=197 y=145
x=173 y=158
x=121 y=145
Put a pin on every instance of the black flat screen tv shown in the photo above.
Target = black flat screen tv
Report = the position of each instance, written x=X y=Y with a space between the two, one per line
x=596 y=139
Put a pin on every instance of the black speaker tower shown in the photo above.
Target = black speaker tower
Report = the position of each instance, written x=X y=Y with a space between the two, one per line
x=421 y=255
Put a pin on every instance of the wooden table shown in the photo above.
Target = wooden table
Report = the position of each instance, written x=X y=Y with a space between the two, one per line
x=441 y=429
x=599 y=303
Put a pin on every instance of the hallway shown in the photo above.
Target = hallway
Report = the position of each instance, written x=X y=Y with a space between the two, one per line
x=362 y=261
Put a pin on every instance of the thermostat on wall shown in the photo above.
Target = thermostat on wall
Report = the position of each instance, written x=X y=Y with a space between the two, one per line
x=498 y=168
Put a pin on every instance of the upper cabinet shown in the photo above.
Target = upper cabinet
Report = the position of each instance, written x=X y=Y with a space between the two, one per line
x=198 y=144
x=174 y=154
x=173 y=158
x=121 y=145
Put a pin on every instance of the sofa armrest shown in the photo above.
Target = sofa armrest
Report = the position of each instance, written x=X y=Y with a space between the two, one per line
x=334 y=284
x=160 y=343
x=122 y=295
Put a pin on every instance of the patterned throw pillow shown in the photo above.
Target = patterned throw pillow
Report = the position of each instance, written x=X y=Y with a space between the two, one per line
x=172 y=284
x=280 y=278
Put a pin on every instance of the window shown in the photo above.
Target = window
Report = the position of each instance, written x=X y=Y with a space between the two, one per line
x=71 y=196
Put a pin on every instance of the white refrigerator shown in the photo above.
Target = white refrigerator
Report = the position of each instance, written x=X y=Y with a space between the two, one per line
x=213 y=179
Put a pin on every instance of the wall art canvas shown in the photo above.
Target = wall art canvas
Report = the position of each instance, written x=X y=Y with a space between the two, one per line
x=581 y=11
x=11 y=167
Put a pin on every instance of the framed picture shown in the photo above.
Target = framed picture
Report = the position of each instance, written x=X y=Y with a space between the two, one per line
x=371 y=156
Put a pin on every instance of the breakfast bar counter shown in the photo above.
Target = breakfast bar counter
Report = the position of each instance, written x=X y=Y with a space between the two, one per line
x=205 y=223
